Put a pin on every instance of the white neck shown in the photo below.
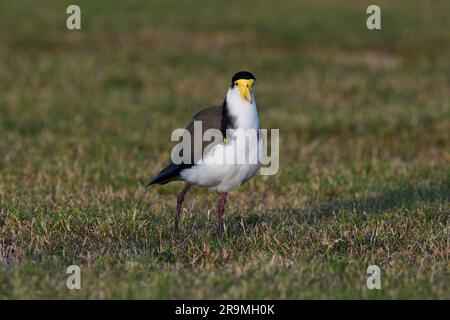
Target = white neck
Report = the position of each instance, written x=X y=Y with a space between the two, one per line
x=244 y=112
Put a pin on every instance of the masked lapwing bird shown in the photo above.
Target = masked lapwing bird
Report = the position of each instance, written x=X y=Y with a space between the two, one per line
x=214 y=164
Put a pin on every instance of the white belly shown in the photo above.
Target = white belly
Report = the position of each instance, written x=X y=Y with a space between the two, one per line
x=226 y=167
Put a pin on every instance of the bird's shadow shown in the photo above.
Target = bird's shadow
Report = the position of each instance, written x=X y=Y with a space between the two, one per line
x=388 y=200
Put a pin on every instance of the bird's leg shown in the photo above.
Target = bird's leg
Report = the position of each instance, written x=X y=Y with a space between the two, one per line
x=180 y=200
x=220 y=210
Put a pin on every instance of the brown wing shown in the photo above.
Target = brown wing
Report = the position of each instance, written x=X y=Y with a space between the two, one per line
x=211 y=118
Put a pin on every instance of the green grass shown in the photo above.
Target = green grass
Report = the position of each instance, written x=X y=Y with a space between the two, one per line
x=86 y=116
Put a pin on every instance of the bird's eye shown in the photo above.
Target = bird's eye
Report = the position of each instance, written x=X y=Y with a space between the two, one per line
x=236 y=83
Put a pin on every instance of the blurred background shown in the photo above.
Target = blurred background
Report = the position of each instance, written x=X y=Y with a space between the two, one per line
x=86 y=118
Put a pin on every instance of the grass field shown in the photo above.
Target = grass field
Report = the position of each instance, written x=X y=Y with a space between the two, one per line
x=86 y=118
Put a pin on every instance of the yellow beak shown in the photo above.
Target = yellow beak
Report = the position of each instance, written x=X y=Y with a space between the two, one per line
x=245 y=86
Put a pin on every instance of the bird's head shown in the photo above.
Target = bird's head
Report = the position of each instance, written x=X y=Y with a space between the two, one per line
x=242 y=84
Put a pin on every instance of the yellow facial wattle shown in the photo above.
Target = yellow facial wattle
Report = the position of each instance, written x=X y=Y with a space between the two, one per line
x=245 y=87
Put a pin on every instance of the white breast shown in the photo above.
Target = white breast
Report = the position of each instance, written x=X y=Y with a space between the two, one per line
x=227 y=166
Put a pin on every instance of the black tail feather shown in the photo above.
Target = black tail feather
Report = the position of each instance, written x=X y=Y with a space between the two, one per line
x=169 y=173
